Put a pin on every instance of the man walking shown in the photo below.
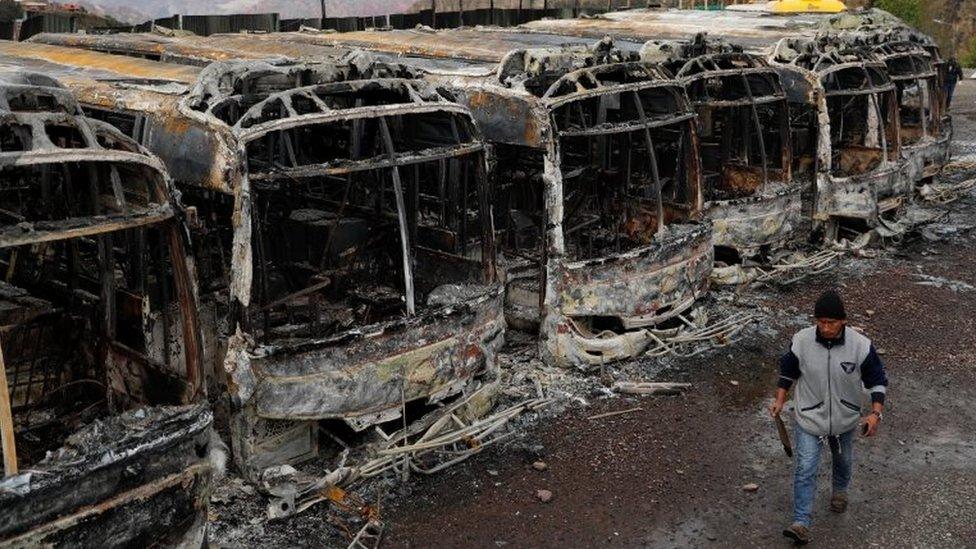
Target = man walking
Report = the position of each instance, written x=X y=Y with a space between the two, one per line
x=830 y=365
x=953 y=76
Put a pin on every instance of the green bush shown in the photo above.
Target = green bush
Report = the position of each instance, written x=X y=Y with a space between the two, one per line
x=909 y=11
x=968 y=57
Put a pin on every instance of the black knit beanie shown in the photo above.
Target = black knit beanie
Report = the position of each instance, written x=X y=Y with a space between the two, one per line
x=830 y=305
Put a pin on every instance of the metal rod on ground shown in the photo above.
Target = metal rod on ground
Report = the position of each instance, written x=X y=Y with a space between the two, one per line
x=403 y=412
x=649 y=388
x=617 y=413
x=6 y=423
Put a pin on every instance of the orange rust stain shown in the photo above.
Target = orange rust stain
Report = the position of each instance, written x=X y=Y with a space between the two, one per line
x=741 y=180
x=532 y=133
x=122 y=65
x=472 y=353
x=479 y=100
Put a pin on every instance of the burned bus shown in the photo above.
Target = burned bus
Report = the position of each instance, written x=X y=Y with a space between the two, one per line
x=576 y=204
x=762 y=34
x=597 y=197
x=342 y=233
x=105 y=437
x=913 y=64
x=846 y=103
x=744 y=143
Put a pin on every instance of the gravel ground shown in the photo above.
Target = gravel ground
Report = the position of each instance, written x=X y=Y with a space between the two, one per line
x=671 y=474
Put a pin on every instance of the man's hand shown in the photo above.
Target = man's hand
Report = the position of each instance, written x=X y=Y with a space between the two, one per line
x=869 y=425
x=777 y=406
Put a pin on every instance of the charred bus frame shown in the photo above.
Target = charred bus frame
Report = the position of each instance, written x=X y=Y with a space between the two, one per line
x=611 y=148
x=925 y=131
x=745 y=143
x=915 y=66
x=846 y=99
x=388 y=295
x=593 y=148
x=99 y=315
x=498 y=76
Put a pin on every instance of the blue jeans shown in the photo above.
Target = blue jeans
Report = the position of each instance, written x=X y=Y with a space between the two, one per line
x=807 y=451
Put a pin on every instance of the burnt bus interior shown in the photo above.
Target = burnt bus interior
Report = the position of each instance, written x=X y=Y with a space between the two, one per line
x=863 y=125
x=804 y=139
x=742 y=125
x=917 y=81
x=863 y=110
x=373 y=210
x=626 y=156
x=743 y=117
x=96 y=305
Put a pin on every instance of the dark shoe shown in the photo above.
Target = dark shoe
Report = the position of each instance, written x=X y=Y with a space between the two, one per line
x=838 y=502
x=799 y=533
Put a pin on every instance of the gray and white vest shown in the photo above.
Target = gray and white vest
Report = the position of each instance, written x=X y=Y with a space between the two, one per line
x=828 y=395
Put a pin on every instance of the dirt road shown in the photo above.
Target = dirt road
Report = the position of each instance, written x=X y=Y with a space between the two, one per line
x=672 y=473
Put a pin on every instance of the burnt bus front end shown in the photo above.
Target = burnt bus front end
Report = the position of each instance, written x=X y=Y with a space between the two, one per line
x=637 y=255
x=926 y=130
x=362 y=252
x=743 y=116
x=100 y=340
x=341 y=231
x=597 y=199
x=916 y=66
x=859 y=171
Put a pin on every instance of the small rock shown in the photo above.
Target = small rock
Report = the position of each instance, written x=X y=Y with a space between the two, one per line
x=711 y=537
x=734 y=383
x=545 y=496
x=881 y=351
x=869 y=312
x=679 y=471
x=540 y=466
x=493 y=472
x=751 y=487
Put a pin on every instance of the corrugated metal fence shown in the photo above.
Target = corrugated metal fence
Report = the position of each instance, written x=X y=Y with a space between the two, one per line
x=436 y=17
x=205 y=25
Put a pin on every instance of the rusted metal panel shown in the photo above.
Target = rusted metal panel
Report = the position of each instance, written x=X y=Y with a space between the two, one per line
x=638 y=290
x=149 y=46
x=109 y=65
x=362 y=377
x=643 y=287
x=483 y=44
x=770 y=219
x=749 y=29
